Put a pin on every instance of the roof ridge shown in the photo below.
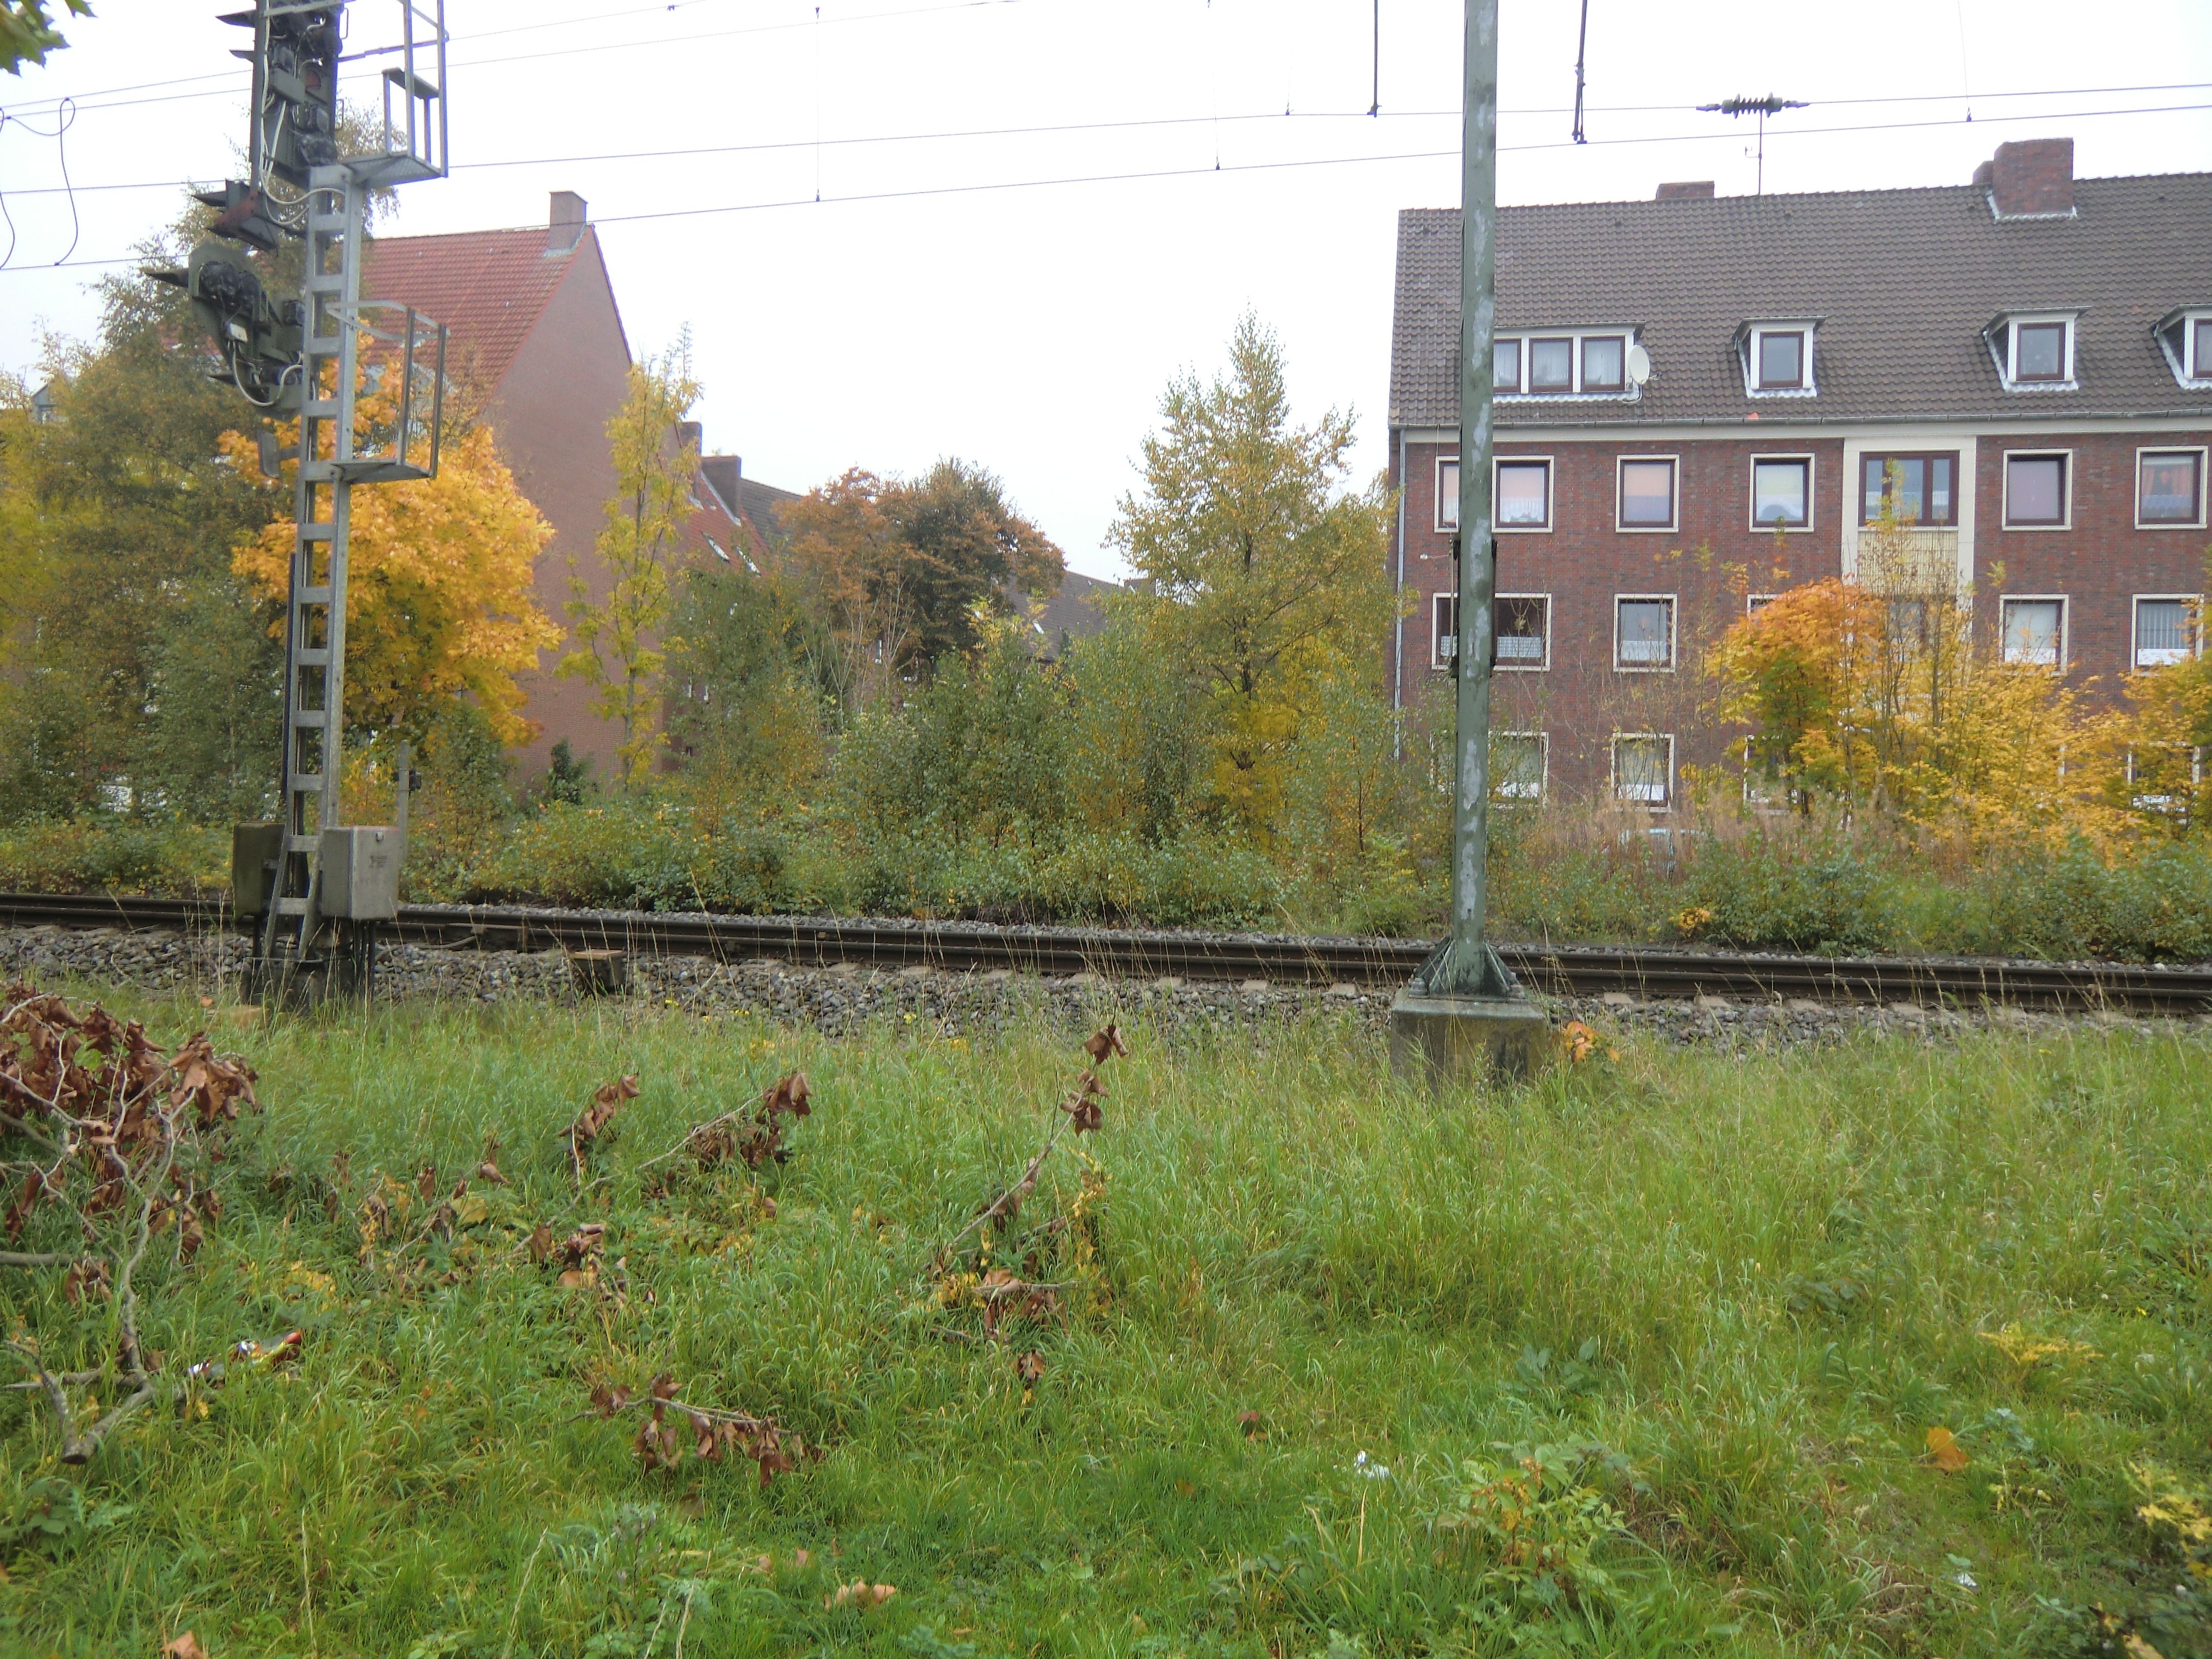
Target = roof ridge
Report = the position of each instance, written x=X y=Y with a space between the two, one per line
x=1704 y=203
x=450 y=235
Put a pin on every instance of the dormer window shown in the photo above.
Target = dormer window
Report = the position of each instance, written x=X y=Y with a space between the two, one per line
x=1781 y=362
x=1599 y=363
x=2034 y=353
x=2038 y=351
x=1605 y=367
x=1552 y=366
x=2185 y=337
x=1776 y=359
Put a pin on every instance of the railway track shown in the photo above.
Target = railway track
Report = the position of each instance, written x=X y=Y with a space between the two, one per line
x=1642 y=971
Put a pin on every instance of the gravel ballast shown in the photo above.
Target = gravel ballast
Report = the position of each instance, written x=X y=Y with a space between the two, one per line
x=843 y=999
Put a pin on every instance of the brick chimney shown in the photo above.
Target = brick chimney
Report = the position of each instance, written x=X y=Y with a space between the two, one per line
x=565 y=228
x=1694 y=190
x=691 y=435
x=2031 y=179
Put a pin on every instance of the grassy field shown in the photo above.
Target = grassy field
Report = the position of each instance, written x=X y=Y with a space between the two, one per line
x=1643 y=1357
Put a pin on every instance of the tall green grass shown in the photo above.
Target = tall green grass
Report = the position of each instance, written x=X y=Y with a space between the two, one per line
x=1725 y=1299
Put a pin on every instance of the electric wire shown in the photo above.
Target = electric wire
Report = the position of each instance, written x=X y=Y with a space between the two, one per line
x=231 y=77
x=65 y=118
x=1260 y=116
x=925 y=191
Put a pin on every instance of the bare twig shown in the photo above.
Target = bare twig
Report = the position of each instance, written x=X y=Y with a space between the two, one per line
x=683 y=1145
x=48 y=1381
x=16 y=1126
x=1015 y=1290
x=1007 y=1201
x=36 y=1258
x=75 y=1379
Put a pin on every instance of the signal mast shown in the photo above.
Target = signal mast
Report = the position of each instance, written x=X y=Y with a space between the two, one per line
x=314 y=886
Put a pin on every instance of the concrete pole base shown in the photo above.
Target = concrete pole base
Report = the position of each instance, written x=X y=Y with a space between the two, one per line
x=1443 y=1041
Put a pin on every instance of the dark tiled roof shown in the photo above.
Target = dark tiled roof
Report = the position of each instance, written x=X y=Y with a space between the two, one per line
x=759 y=505
x=1904 y=281
x=1073 y=613
x=487 y=286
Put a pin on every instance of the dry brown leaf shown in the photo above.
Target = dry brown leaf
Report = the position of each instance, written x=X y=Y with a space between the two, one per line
x=1100 y=1044
x=1943 y=1447
x=606 y=1100
x=186 y=1646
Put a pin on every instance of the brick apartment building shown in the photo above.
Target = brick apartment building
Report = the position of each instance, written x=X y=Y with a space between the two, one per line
x=534 y=330
x=2021 y=366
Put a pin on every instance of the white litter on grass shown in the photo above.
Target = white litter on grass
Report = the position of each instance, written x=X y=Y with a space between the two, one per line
x=1372 y=1471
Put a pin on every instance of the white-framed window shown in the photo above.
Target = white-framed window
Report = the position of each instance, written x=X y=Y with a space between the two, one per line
x=1551 y=365
x=1522 y=493
x=2168 y=628
x=2170 y=489
x=1604 y=364
x=1520 y=766
x=1647 y=499
x=1505 y=368
x=1444 y=630
x=1776 y=359
x=1523 y=622
x=2032 y=629
x=2034 y=351
x=1919 y=488
x=2169 y=775
x=1755 y=603
x=1565 y=362
x=1644 y=767
x=2038 y=491
x=1448 y=492
x=1765 y=777
x=1781 y=492
x=1643 y=633
x=2185 y=337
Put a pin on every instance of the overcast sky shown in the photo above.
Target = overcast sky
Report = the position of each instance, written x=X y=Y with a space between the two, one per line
x=1033 y=329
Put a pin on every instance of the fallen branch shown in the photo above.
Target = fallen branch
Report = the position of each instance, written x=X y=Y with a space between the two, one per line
x=114 y=1130
x=1083 y=1110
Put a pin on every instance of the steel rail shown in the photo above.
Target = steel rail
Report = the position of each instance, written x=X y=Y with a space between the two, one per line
x=1642 y=971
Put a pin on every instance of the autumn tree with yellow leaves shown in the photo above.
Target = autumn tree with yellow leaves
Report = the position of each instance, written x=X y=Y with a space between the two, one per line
x=1262 y=576
x=1874 y=694
x=440 y=586
x=619 y=652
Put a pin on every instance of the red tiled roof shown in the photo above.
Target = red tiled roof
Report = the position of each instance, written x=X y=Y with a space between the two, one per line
x=487 y=286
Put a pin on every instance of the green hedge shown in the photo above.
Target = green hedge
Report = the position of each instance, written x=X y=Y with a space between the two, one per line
x=114 y=856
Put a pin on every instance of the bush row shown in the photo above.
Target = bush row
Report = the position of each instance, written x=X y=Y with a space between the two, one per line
x=1834 y=893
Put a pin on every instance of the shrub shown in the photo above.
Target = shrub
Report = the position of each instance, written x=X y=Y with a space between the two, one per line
x=2072 y=903
x=1834 y=898
x=119 y=856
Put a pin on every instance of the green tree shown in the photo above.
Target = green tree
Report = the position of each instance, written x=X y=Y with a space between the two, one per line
x=28 y=31
x=741 y=712
x=1260 y=573
x=619 y=650
x=119 y=518
x=962 y=553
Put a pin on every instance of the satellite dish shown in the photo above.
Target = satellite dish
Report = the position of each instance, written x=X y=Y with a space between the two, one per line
x=1639 y=364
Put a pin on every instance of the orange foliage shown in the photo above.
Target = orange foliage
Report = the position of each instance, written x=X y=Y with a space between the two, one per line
x=441 y=583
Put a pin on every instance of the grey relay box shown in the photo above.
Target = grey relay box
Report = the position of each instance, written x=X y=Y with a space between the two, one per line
x=361 y=873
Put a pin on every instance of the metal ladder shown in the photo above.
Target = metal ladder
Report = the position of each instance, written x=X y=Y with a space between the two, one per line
x=297 y=939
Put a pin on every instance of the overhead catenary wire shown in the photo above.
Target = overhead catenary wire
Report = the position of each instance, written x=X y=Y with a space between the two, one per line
x=1144 y=175
x=66 y=117
x=1259 y=116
